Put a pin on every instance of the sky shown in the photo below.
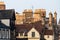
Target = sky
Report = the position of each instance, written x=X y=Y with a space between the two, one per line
x=20 y=5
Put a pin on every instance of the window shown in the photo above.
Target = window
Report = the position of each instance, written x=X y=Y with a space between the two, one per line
x=33 y=34
x=7 y=33
x=21 y=34
x=3 y=33
x=48 y=36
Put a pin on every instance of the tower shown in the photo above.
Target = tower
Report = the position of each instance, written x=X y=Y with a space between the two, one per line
x=2 y=5
x=37 y=15
x=43 y=15
x=55 y=27
x=55 y=17
x=50 y=20
x=28 y=14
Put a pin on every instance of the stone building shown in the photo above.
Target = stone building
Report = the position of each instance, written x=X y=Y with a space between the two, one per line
x=36 y=26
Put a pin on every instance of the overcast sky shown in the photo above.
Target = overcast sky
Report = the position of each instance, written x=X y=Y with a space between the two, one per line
x=20 y=5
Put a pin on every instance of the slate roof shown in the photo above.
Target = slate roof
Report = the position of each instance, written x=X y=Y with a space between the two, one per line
x=48 y=32
x=27 y=27
x=7 y=14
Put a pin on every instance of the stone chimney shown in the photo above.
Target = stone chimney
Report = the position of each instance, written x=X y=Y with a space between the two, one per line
x=2 y=5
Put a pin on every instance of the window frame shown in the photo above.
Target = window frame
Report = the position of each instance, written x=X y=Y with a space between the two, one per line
x=33 y=34
x=21 y=34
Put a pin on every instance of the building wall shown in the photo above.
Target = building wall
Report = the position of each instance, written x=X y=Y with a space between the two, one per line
x=19 y=19
x=59 y=37
x=28 y=15
x=19 y=36
x=37 y=17
x=33 y=39
x=37 y=36
x=48 y=37
x=4 y=33
x=5 y=22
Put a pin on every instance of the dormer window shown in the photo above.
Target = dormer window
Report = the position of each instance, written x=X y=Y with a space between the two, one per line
x=21 y=34
x=33 y=34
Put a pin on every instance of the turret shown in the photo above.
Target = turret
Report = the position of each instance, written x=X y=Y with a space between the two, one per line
x=50 y=20
x=55 y=17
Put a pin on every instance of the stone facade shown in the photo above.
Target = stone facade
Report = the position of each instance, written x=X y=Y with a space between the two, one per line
x=33 y=36
x=28 y=16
